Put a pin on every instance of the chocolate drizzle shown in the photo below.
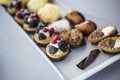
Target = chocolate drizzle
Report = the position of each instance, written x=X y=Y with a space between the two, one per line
x=109 y=43
x=97 y=34
x=89 y=59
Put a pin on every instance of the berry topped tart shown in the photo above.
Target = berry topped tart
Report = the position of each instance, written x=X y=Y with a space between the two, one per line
x=57 y=49
x=19 y=16
x=43 y=35
x=14 y=6
x=31 y=22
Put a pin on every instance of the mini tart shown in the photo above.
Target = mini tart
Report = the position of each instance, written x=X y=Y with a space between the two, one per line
x=57 y=49
x=112 y=47
x=102 y=35
x=31 y=22
x=60 y=55
x=19 y=16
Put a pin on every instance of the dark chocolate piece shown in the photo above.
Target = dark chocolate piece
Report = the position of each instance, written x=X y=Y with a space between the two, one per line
x=97 y=34
x=109 y=43
x=89 y=59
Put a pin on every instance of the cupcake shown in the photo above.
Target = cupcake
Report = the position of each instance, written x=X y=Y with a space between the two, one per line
x=57 y=49
x=15 y=6
x=49 y=13
x=75 y=17
x=43 y=34
x=31 y=22
x=101 y=33
x=19 y=16
x=73 y=37
x=5 y=2
x=60 y=25
x=35 y=5
x=86 y=27
x=110 y=45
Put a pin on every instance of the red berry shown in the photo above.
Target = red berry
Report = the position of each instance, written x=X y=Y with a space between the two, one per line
x=34 y=16
x=51 y=30
x=21 y=10
x=54 y=41
x=45 y=29
x=57 y=37
x=18 y=14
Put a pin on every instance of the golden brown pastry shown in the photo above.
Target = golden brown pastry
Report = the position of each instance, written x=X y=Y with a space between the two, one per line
x=86 y=27
x=75 y=17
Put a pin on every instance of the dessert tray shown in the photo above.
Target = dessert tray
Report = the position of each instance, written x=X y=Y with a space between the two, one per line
x=67 y=69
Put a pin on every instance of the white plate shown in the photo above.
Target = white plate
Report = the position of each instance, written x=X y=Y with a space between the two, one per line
x=67 y=69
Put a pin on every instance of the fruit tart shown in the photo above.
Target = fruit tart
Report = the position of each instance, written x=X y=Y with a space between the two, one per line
x=101 y=33
x=57 y=49
x=43 y=34
x=31 y=22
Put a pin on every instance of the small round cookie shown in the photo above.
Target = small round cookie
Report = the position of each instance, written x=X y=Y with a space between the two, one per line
x=60 y=25
x=43 y=34
x=19 y=16
x=34 y=5
x=75 y=17
x=31 y=22
x=73 y=37
x=86 y=27
x=57 y=49
x=49 y=13
x=5 y=2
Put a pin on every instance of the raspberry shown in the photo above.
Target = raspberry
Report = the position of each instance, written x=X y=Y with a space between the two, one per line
x=45 y=30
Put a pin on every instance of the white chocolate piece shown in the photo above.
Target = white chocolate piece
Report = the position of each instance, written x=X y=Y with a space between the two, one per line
x=108 y=30
x=117 y=44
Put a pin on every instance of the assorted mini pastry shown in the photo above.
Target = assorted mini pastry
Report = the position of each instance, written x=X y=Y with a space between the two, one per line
x=57 y=49
x=5 y=2
x=34 y=5
x=43 y=34
x=75 y=17
x=49 y=13
x=15 y=6
x=73 y=37
x=31 y=22
x=86 y=27
x=19 y=16
x=102 y=33
x=60 y=25
x=110 y=44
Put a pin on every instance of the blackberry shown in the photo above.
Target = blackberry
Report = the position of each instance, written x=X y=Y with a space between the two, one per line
x=18 y=5
x=39 y=27
x=33 y=23
x=63 y=45
x=11 y=5
x=25 y=14
x=41 y=36
x=26 y=19
x=53 y=49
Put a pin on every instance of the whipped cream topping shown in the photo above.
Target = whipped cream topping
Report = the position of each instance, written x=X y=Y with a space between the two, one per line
x=108 y=30
x=29 y=19
x=55 y=45
x=60 y=25
x=117 y=44
x=47 y=34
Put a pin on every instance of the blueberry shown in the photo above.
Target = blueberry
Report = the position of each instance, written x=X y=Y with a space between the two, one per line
x=25 y=14
x=39 y=27
x=33 y=23
x=11 y=5
x=18 y=5
x=63 y=45
x=52 y=49
x=26 y=19
x=41 y=36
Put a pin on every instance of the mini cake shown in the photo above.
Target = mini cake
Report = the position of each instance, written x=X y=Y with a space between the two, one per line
x=75 y=17
x=31 y=22
x=43 y=35
x=86 y=27
x=60 y=25
x=5 y=2
x=101 y=33
x=73 y=37
x=19 y=16
x=110 y=45
x=35 y=5
x=57 y=49
x=49 y=13
x=15 y=6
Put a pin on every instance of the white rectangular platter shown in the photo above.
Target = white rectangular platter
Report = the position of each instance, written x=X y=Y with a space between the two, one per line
x=67 y=69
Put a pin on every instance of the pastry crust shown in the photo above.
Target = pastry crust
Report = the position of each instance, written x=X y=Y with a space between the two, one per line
x=43 y=42
x=98 y=39
x=109 y=49
x=12 y=10
x=20 y=21
x=27 y=28
x=60 y=55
